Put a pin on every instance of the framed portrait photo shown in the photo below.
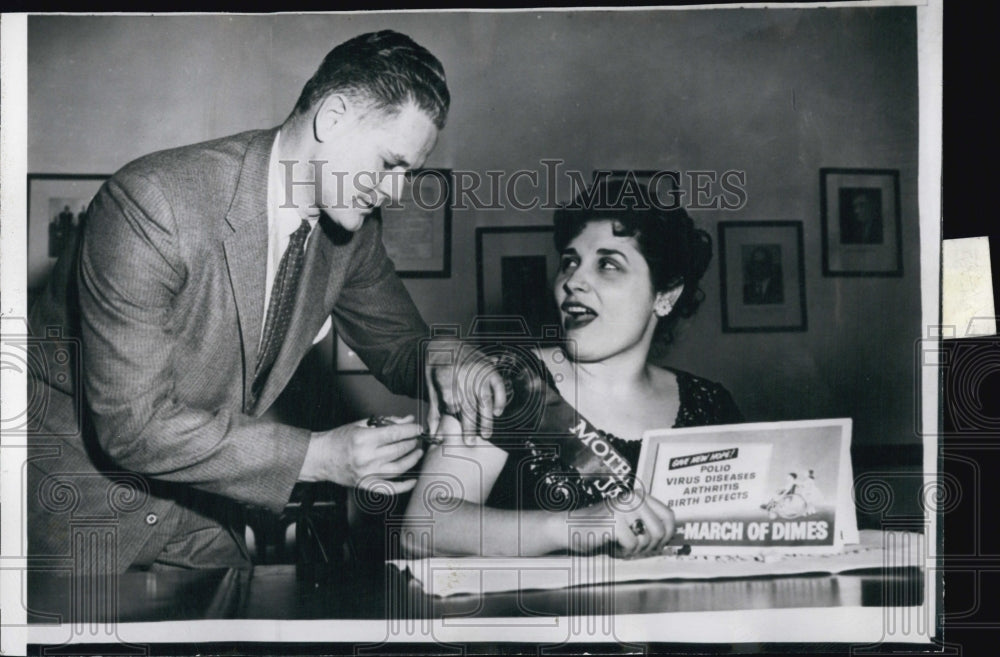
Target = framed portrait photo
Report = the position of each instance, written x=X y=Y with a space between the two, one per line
x=57 y=207
x=416 y=230
x=762 y=276
x=861 y=222
x=516 y=267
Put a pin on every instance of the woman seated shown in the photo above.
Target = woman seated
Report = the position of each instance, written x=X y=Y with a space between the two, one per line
x=562 y=478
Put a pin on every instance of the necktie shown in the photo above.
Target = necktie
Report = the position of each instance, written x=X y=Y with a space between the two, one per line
x=279 y=311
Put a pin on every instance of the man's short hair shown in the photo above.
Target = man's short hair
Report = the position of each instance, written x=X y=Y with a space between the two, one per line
x=385 y=69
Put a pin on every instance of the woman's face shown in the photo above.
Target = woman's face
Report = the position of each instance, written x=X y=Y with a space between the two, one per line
x=605 y=294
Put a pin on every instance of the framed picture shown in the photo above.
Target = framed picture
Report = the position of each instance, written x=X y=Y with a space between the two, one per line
x=416 y=231
x=346 y=360
x=662 y=185
x=57 y=207
x=516 y=267
x=762 y=276
x=861 y=223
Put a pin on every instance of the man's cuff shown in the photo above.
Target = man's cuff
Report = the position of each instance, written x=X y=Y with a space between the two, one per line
x=291 y=444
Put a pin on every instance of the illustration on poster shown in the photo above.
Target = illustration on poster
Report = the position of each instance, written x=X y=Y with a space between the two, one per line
x=798 y=497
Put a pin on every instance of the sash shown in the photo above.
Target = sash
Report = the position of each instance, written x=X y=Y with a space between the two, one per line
x=537 y=411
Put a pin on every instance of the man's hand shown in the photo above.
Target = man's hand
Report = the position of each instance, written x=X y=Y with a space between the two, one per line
x=464 y=383
x=365 y=457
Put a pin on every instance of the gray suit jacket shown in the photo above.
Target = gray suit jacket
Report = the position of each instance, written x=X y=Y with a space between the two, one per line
x=166 y=295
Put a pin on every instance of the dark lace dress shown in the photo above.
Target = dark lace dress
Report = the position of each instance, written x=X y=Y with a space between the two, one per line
x=563 y=462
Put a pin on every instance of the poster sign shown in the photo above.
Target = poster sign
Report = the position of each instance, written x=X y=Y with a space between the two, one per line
x=752 y=487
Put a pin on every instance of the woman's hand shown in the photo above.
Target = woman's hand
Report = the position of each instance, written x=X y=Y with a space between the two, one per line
x=638 y=528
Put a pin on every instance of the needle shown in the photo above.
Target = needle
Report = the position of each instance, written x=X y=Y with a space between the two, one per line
x=383 y=421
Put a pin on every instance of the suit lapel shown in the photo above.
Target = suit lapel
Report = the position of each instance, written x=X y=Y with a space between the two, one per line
x=246 y=249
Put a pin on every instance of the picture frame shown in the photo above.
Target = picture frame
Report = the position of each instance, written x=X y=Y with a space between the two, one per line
x=416 y=229
x=861 y=223
x=515 y=267
x=346 y=360
x=57 y=205
x=663 y=185
x=762 y=276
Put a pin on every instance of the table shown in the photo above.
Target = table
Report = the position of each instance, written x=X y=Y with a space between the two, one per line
x=287 y=592
x=380 y=608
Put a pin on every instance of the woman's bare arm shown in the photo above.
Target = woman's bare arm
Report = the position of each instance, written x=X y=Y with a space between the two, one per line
x=447 y=513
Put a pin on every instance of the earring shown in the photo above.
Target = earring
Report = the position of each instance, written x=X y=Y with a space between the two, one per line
x=665 y=301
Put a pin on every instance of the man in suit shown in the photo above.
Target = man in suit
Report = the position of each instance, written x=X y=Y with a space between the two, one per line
x=861 y=216
x=762 y=278
x=203 y=276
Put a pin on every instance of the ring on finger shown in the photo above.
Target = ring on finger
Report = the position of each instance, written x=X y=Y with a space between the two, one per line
x=638 y=527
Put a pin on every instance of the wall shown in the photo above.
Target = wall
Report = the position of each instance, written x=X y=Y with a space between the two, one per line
x=775 y=93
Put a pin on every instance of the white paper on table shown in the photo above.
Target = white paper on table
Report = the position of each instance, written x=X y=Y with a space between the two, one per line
x=446 y=576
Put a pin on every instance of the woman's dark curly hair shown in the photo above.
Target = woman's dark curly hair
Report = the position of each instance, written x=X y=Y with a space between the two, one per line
x=676 y=251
